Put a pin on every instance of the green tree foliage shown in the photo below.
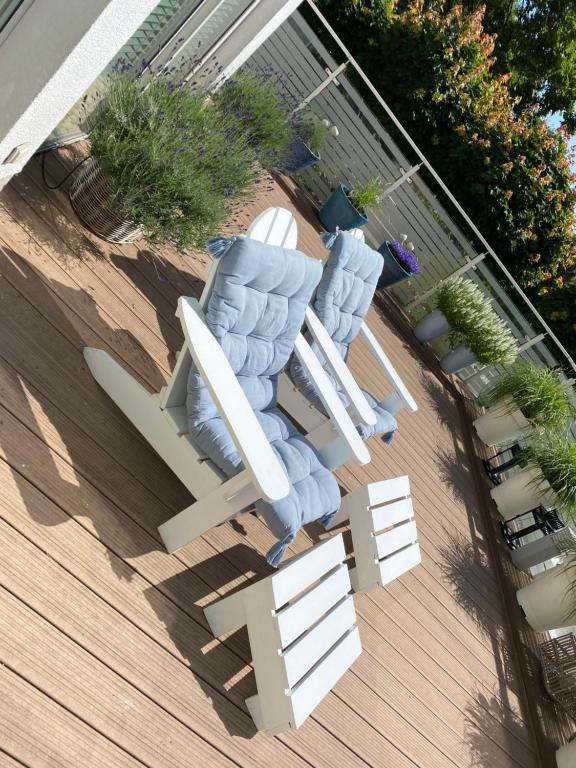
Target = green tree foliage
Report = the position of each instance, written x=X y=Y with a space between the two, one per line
x=536 y=43
x=435 y=65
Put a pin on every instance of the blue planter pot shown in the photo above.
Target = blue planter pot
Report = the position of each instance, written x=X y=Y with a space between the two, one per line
x=338 y=212
x=300 y=156
x=392 y=272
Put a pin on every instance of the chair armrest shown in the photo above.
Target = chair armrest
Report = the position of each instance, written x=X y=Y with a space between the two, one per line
x=259 y=459
x=339 y=416
x=402 y=398
x=339 y=368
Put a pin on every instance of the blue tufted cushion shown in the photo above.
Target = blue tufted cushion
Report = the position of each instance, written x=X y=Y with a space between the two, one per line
x=342 y=300
x=256 y=310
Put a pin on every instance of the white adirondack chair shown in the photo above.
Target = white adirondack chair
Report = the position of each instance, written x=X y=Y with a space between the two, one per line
x=162 y=420
x=277 y=226
x=302 y=629
x=384 y=532
x=320 y=431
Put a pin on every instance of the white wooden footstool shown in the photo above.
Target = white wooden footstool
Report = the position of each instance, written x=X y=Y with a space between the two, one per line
x=302 y=629
x=384 y=532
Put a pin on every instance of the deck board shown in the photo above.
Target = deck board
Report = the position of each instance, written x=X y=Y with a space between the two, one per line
x=104 y=631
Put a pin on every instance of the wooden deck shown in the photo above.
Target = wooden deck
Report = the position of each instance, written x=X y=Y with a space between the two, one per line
x=105 y=656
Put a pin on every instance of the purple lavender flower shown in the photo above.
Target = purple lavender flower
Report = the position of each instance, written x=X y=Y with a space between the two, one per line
x=406 y=258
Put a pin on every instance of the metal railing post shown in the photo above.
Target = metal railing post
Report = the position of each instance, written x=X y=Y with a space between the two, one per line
x=405 y=176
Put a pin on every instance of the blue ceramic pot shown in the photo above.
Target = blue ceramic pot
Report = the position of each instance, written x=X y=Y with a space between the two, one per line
x=392 y=271
x=339 y=212
x=300 y=156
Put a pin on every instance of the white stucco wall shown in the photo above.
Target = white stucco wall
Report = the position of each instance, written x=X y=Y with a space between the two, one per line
x=49 y=59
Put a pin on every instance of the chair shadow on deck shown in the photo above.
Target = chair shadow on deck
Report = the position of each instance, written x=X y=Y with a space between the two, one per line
x=62 y=434
x=221 y=667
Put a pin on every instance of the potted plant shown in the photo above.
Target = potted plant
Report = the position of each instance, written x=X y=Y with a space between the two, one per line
x=477 y=334
x=255 y=103
x=164 y=163
x=458 y=303
x=310 y=135
x=399 y=264
x=346 y=208
x=549 y=602
x=522 y=398
x=549 y=478
x=488 y=341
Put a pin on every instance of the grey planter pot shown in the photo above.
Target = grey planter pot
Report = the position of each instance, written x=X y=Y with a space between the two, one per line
x=458 y=358
x=431 y=326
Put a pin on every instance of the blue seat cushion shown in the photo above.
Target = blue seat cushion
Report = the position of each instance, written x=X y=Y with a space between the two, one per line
x=255 y=311
x=343 y=297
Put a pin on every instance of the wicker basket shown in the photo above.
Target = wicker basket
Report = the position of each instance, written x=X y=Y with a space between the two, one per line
x=90 y=198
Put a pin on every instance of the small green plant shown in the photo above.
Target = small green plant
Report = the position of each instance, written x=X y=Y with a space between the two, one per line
x=367 y=195
x=554 y=453
x=540 y=393
x=256 y=103
x=312 y=131
x=474 y=323
x=175 y=166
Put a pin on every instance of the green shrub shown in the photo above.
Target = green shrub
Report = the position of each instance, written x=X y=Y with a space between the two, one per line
x=542 y=396
x=367 y=195
x=175 y=165
x=256 y=103
x=474 y=323
x=311 y=130
x=554 y=454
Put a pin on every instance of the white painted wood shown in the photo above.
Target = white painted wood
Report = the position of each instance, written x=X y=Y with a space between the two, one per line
x=295 y=618
x=313 y=645
x=174 y=394
x=385 y=491
x=384 y=533
x=262 y=464
x=290 y=580
x=339 y=418
x=395 y=565
x=221 y=504
x=275 y=226
x=395 y=539
x=143 y=410
x=403 y=395
x=310 y=692
x=388 y=515
x=339 y=368
x=293 y=675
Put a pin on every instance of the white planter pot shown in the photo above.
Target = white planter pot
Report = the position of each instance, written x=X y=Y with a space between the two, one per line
x=546 y=602
x=566 y=755
x=520 y=493
x=501 y=424
x=431 y=326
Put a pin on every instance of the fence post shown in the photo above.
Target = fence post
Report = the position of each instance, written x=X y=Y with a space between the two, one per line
x=405 y=176
x=324 y=84
x=460 y=271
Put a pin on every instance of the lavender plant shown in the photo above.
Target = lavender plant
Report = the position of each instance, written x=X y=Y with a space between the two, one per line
x=255 y=102
x=406 y=258
x=175 y=166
